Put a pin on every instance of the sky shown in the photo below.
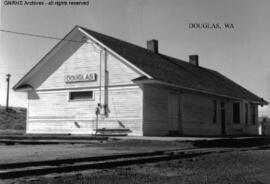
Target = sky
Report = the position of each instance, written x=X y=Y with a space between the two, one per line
x=241 y=53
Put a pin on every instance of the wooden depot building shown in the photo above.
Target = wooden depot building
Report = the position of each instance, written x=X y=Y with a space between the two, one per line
x=90 y=83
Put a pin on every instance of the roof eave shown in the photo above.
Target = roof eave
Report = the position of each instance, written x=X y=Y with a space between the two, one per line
x=154 y=81
x=31 y=71
x=24 y=88
x=264 y=102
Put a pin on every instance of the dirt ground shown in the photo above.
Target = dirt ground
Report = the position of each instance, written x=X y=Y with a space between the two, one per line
x=238 y=167
x=25 y=153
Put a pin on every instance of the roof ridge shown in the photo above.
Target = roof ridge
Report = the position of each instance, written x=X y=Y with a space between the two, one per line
x=168 y=58
x=174 y=70
x=138 y=46
x=118 y=39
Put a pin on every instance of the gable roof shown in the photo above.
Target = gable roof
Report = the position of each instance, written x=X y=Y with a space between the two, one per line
x=173 y=71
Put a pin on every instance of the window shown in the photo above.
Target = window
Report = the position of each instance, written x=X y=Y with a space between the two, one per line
x=236 y=113
x=223 y=117
x=81 y=95
x=214 y=111
x=246 y=113
x=253 y=114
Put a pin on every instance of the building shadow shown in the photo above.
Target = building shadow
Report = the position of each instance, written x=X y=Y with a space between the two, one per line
x=233 y=142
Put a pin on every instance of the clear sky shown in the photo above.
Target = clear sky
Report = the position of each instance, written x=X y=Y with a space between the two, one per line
x=242 y=53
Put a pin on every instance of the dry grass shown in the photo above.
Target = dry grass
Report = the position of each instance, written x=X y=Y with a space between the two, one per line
x=14 y=119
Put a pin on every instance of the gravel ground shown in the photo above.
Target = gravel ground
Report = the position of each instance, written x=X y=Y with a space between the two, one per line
x=238 y=167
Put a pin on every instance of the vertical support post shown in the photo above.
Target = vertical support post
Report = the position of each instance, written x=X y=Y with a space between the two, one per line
x=7 y=102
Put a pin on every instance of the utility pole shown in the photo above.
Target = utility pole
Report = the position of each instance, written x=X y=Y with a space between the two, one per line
x=8 y=79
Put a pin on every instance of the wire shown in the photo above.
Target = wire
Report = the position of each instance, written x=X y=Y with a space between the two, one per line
x=12 y=74
x=95 y=48
x=51 y=38
x=39 y=36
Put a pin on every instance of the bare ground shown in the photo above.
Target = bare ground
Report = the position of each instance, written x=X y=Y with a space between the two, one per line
x=26 y=153
x=239 y=167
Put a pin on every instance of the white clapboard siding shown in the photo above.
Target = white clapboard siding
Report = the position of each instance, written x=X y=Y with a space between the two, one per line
x=125 y=105
x=50 y=111
x=61 y=126
x=198 y=112
x=119 y=73
x=75 y=59
x=198 y=116
x=54 y=108
x=57 y=105
x=84 y=60
x=155 y=105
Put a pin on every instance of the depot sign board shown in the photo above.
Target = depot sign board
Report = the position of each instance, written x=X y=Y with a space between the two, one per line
x=80 y=78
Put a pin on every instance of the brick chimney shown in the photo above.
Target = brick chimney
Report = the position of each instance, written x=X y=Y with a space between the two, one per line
x=194 y=59
x=152 y=45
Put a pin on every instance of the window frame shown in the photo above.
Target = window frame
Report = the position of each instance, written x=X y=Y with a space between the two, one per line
x=83 y=99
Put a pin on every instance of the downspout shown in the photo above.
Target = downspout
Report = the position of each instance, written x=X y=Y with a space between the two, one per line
x=105 y=105
x=100 y=74
x=102 y=82
x=100 y=86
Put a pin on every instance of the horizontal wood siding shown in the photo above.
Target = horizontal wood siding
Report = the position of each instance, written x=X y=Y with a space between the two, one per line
x=85 y=60
x=155 y=110
x=242 y=128
x=50 y=110
x=119 y=73
x=61 y=126
x=197 y=108
x=77 y=58
x=125 y=106
x=53 y=109
x=198 y=116
x=197 y=113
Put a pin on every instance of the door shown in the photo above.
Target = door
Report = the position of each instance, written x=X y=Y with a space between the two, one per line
x=174 y=113
x=223 y=118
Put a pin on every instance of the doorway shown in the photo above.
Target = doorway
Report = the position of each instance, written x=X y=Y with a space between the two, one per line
x=174 y=114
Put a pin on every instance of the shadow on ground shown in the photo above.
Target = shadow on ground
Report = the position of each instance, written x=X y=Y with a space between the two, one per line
x=233 y=143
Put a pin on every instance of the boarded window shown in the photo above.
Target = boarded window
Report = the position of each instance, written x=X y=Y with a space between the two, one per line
x=81 y=95
x=236 y=113
x=214 y=111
